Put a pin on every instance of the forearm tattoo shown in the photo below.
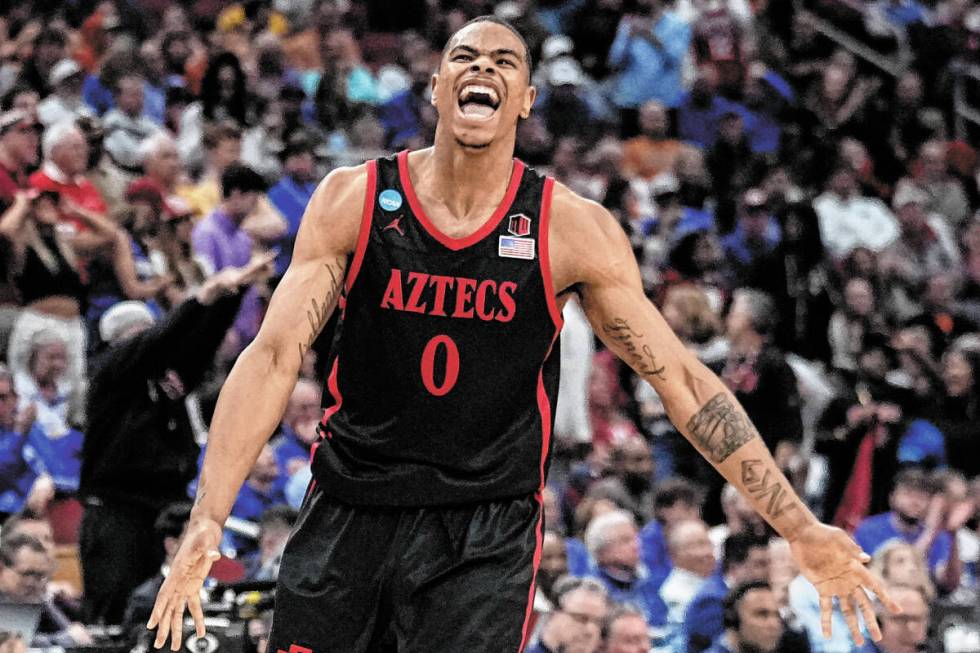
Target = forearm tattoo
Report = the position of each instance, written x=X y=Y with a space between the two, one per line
x=761 y=484
x=319 y=312
x=720 y=428
x=637 y=354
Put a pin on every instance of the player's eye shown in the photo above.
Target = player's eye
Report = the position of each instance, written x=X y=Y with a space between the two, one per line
x=462 y=57
x=505 y=62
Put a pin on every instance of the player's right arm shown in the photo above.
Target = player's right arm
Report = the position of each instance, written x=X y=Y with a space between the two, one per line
x=254 y=396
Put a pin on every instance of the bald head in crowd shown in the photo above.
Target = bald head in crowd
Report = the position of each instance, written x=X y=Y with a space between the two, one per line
x=690 y=548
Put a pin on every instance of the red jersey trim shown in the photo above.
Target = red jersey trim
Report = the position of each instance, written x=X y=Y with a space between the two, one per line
x=456 y=244
x=334 y=390
x=365 y=230
x=538 y=537
x=544 y=255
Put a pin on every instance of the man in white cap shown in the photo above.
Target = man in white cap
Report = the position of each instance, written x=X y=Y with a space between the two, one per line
x=139 y=452
x=65 y=103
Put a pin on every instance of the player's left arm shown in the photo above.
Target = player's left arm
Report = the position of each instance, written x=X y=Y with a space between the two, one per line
x=591 y=254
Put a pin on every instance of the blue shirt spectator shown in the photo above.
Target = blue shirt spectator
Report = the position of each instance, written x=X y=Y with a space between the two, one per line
x=698 y=117
x=649 y=55
x=100 y=99
x=58 y=455
x=642 y=590
x=16 y=475
x=292 y=193
x=580 y=563
x=703 y=621
x=874 y=531
x=653 y=550
x=288 y=446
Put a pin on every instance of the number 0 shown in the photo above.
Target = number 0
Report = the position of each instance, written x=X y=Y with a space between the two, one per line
x=428 y=365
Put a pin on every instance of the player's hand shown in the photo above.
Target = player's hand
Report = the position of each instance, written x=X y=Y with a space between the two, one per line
x=834 y=563
x=182 y=587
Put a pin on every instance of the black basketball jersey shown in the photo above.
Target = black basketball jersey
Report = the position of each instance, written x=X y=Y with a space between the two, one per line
x=444 y=366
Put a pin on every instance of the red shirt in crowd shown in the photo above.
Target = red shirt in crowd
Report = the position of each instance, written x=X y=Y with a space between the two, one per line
x=79 y=190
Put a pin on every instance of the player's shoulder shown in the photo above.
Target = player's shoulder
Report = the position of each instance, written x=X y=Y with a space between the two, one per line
x=335 y=211
x=343 y=186
x=580 y=222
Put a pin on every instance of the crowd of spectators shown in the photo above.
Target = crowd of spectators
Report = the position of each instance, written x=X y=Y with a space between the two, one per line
x=806 y=222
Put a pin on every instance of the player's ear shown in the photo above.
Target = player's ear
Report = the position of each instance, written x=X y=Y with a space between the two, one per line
x=433 y=83
x=529 y=96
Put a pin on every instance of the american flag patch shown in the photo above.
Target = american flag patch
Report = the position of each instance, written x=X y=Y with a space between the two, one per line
x=511 y=247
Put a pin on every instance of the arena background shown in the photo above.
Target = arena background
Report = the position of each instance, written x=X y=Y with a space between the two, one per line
x=798 y=178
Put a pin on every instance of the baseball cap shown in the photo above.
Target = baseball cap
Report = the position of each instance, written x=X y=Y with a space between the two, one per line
x=121 y=317
x=63 y=70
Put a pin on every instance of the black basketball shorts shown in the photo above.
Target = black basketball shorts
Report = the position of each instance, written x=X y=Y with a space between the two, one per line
x=407 y=580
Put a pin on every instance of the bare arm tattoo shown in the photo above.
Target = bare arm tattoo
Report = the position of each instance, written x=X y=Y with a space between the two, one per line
x=720 y=428
x=760 y=485
x=319 y=312
x=638 y=355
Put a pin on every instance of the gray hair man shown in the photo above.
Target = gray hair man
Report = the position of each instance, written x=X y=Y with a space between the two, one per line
x=575 y=626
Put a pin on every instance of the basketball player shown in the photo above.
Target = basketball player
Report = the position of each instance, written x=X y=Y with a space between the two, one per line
x=422 y=528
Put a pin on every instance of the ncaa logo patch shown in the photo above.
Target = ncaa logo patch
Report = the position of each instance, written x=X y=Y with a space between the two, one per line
x=519 y=224
x=390 y=199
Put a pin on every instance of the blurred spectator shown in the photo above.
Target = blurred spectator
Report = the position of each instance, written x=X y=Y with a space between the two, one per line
x=45 y=390
x=652 y=151
x=899 y=563
x=139 y=452
x=626 y=631
x=126 y=126
x=676 y=500
x=746 y=559
x=222 y=142
x=647 y=54
x=957 y=409
x=859 y=432
x=275 y=525
x=261 y=491
x=693 y=559
x=740 y=517
x=757 y=373
x=65 y=104
x=291 y=194
x=925 y=247
x=700 y=110
x=732 y=165
x=553 y=565
x=160 y=160
x=20 y=484
x=222 y=241
x=852 y=326
x=718 y=40
x=408 y=115
x=49 y=50
x=752 y=621
x=25 y=570
x=298 y=430
x=848 y=220
x=913 y=519
x=631 y=473
x=755 y=237
x=101 y=172
x=930 y=172
x=223 y=92
x=169 y=527
x=577 y=621
x=795 y=274
x=66 y=158
x=688 y=311
x=612 y=540
x=906 y=631
x=19 y=139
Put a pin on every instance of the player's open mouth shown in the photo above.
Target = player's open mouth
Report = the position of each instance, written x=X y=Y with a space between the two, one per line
x=478 y=102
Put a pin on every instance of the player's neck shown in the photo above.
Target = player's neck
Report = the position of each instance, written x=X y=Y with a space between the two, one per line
x=465 y=179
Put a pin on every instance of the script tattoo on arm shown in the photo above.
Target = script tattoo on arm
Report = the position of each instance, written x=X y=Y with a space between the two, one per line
x=720 y=428
x=319 y=312
x=761 y=484
x=637 y=355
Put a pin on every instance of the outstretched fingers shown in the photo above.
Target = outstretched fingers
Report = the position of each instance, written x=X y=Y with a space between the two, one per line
x=161 y=619
x=826 y=613
x=867 y=611
x=873 y=583
x=850 y=616
x=194 y=607
x=177 y=624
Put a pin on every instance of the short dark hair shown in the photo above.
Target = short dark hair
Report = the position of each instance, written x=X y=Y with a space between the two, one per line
x=10 y=547
x=241 y=178
x=497 y=21
x=278 y=515
x=738 y=546
x=214 y=133
x=172 y=520
x=735 y=596
x=914 y=478
x=673 y=490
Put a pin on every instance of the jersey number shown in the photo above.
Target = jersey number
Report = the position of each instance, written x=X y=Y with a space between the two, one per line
x=428 y=365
